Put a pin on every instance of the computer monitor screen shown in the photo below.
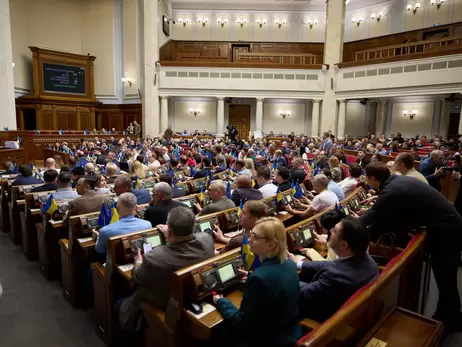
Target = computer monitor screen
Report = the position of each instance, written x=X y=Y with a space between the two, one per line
x=346 y=211
x=186 y=202
x=180 y=176
x=205 y=226
x=307 y=234
x=92 y=223
x=154 y=241
x=289 y=199
x=226 y=273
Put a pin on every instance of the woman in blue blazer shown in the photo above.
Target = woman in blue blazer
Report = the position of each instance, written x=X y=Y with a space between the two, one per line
x=268 y=315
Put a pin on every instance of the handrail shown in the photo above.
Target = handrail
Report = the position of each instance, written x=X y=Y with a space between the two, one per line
x=406 y=48
x=278 y=58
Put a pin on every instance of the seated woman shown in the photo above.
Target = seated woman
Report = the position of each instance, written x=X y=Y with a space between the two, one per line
x=268 y=312
x=136 y=170
x=101 y=184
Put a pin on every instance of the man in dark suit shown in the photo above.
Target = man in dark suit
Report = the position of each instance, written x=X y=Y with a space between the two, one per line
x=161 y=204
x=152 y=273
x=205 y=168
x=26 y=177
x=124 y=184
x=326 y=285
x=420 y=205
x=298 y=173
x=432 y=170
x=281 y=178
x=363 y=160
x=176 y=192
x=89 y=200
x=244 y=191
x=50 y=177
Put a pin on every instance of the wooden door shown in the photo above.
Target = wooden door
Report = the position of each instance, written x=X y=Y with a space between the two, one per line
x=239 y=115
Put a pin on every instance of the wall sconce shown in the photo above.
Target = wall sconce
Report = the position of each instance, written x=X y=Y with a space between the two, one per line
x=280 y=22
x=311 y=23
x=194 y=111
x=184 y=21
x=242 y=21
x=437 y=3
x=261 y=22
x=357 y=21
x=411 y=115
x=284 y=114
x=413 y=9
x=13 y=64
x=203 y=21
x=126 y=80
x=377 y=16
x=222 y=21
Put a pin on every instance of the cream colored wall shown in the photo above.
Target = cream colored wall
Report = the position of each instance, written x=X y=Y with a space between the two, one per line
x=181 y=118
x=76 y=26
x=131 y=49
x=272 y=121
x=421 y=124
x=355 y=119
x=54 y=24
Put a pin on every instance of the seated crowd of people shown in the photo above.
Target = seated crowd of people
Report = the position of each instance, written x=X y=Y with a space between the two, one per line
x=275 y=296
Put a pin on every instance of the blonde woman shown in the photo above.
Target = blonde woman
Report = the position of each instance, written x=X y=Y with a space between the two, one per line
x=249 y=164
x=268 y=315
x=136 y=169
x=111 y=172
x=335 y=170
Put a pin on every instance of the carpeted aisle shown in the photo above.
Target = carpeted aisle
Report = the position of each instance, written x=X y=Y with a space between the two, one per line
x=33 y=311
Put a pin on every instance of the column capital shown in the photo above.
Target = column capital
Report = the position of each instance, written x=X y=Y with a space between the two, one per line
x=342 y=101
x=260 y=99
x=317 y=100
x=164 y=97
x=220 y=98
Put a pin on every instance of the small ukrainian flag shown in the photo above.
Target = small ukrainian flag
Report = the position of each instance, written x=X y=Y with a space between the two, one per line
x=50 y=206
x=137 y=183
x=294 y=191
x=241 y=208
x=279 y=196
x=114 y=214
x=202 y=195
x=249 y=259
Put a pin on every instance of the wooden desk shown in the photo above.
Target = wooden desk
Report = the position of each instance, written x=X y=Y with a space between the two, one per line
x=48 y=246
x=17 y=156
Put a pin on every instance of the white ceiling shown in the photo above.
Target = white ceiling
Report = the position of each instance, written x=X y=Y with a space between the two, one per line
x=267 y=5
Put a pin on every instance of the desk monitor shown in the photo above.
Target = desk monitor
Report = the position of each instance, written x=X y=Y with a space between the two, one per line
x=155 y=240
x=288 y=199
x=307 y=235
x=205 y=226
x=180 y=176
x=227 y=273
x=187 y=203
x=92 y=223
x=346 y=211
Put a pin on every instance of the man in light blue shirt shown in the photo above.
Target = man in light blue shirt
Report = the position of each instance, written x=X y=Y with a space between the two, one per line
x=127 y=223
x=332 y=186
x=64 y=191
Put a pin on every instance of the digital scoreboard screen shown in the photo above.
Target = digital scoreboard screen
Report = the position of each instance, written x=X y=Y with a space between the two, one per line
x=63 y=79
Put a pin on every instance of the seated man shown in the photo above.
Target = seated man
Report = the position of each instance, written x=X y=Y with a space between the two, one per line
x=50 y=177
x=50 y=164
x=161 y=204
x=26 y=177
x=263 y=178
x=321 y=202
x=244 y=191
x=205 y=168
x=218 y=200
x=127 y=223
x=153 y=272
x=333 y=186
x=349 y=184
x=8 y=168
x=124 y=184
x=298 y=173
x=281 y=178
x=241 y=169
x=404 y=164
x=64 y=191
x=252 y=211
x=76 y=173
x=326 y=285
x=176 y=192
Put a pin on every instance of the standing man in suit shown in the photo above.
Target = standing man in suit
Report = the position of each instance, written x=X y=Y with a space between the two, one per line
x=50 y=177
x=124 y=184
x=244 y=191
x=153 y=272
x=325 y=286
x=432 y=170
x=89 y=201
x=26 y=177
x=326 y=143
x=161 y=204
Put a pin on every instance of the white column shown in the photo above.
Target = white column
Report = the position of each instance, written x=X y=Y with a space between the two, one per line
x=259 y=115
x=220 y=116
x=7 y=102
x=150 y=78
x=381 y=115
x=445 y=114
x=341 y=119
x=460 y=122
x=333 y=54
x=315 y=118
x=163 y=113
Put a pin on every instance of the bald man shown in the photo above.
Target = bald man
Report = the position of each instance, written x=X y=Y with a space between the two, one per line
x=161 y=204
x=244 y=191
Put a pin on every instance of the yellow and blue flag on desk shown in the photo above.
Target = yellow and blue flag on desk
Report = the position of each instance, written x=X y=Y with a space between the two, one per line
x=253 y=183
x=37 y=131
x=250 y=260
x=114 y=214
x=137 y=183
x=298 y=191
x=202 y=195
x=279 y=197
x=231 y=173
x=241 y=208
x=50 y=206
x=104 y=217
x=32 y=167
x=61 y=132
x=228 y=190
x=293 y=191
x=37 y=176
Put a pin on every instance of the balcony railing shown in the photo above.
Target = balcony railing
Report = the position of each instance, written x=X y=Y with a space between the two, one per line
x=277 y=58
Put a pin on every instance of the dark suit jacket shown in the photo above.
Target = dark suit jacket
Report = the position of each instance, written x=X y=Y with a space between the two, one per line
x=158 y=213
x=46 y=187
x=284 y=186
x=202 y=173
x=245 y=194
x=177 y=192
x=268 y=315
x=7 y=172
x=363 y=162
x=22 y=180
x=331 y=284
x=154 y=276
x=427 y=168
x=142 y=196
x=101 y=159
x=89 y=202
x=298 y=175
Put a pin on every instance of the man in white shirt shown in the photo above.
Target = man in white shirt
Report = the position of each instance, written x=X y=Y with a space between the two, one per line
x=349 y=184
x=404 y=164
x=324 y=201
x=267 y=188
